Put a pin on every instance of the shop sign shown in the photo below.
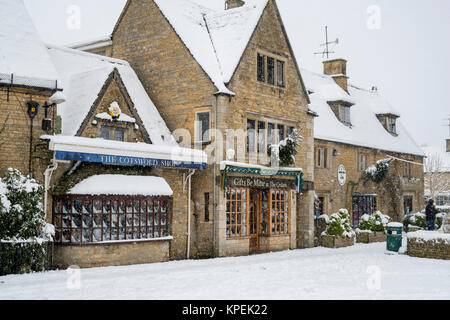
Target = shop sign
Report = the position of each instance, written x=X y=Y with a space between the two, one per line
x=125 y=160
x=260 y=183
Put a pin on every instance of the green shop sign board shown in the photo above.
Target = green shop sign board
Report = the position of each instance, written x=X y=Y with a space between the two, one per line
x=261 y=183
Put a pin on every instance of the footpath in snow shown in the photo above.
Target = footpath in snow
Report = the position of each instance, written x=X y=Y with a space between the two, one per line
x=358 y=272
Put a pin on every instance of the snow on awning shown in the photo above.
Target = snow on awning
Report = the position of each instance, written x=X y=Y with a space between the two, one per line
x=69 y=148
x=110 y=184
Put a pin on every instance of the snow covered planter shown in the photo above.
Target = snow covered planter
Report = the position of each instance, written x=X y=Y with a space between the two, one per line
x=339 y=232
x=429 y=244
x=372 y=228
x=24 y=234
x=418 y=221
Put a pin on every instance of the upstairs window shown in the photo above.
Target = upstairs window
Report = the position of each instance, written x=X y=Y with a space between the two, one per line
x=280 y=73
x=270 y=70
x=261 y=67
x=407 y=173
x=363 y=160
x=344 y=114
x=250 y=135
x=321 y=157
x=392 y=125
x=112 y=134
x=280 y=128
x=261 y=137
x=203 y=127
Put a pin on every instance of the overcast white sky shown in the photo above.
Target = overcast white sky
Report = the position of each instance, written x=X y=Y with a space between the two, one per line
x=407 y=58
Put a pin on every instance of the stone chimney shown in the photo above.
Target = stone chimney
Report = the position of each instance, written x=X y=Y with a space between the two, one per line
x=230 y=4
x=448 y=145
x=337 y=69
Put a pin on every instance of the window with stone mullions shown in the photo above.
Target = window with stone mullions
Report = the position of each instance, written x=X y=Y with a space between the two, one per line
x=270 y=70
x=251 y=135
x=203 y=124
x=261 y=137
x=261 y=68
x=280 y=73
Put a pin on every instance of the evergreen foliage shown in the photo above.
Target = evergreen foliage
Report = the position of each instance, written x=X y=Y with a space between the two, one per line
x=340 y=225
x=379 y=171
x=284 y=152
x=376 y=222
x=24 y=234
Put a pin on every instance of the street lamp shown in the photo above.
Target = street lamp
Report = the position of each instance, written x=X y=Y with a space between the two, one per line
x=54 y=100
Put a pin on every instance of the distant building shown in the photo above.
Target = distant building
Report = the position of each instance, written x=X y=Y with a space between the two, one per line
x=354 y=129
x=437 y=176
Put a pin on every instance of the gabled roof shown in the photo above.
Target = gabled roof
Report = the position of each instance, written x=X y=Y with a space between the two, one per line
x=83 y=77
x=367 y=130
x=216 y=39
x=22 y=51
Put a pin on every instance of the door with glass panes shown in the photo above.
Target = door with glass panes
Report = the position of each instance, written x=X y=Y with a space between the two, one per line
x=259 y=217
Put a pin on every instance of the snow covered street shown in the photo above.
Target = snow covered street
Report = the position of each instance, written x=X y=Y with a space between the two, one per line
x=358 y=272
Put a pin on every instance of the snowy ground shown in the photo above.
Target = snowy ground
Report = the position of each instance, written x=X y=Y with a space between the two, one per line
x=319 y=273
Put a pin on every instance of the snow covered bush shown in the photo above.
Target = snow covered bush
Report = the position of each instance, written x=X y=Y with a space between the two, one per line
x=415 y=219
x=340 y=225
x=376 y=222
x=379 y=171
x=285 y=151
x=24 y=234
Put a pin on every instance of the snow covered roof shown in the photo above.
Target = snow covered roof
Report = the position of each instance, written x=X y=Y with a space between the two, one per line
x=122 y=185
x=22 y=51
x=216 y=40
x=83 y=76
x=366 y=130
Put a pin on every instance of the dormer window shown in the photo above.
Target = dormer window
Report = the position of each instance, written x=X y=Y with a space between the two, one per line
x=344 y=114
x=392 y=125
x=389 y=122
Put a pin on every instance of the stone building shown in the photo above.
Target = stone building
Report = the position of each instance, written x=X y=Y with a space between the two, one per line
x=116 y=182
x=214 y=72
x=354 y=129
x=28 y=79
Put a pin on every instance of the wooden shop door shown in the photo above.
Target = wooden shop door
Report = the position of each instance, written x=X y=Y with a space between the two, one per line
x=255 y=213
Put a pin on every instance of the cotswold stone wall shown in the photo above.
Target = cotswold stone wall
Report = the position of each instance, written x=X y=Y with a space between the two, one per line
x=116 y=254
x=337 y=196
x=433 y=249
x=337 y=242
x=370 y=237
x=180 y=88
x=15 y=138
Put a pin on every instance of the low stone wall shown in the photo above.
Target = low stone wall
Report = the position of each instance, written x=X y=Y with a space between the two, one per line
x=433 y=245
x=274 y=243
x=370 y=237
x=336 y=242
x=111 y=254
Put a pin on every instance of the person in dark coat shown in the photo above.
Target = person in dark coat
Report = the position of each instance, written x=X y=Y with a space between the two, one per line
x=430 y=212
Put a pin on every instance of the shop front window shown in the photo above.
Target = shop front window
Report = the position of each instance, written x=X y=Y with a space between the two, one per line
x=260 y=212
x=94 y=219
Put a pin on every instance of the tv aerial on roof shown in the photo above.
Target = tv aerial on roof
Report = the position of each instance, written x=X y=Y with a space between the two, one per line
x=326 y=52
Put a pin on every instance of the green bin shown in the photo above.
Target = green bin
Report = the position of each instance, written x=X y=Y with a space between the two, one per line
x=394 y=237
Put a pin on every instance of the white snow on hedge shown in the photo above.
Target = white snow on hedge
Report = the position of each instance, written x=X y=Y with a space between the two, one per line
x=366 y=129
x=84 y=75
x=122 y=185
x=425 y=236
x=22 y=51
